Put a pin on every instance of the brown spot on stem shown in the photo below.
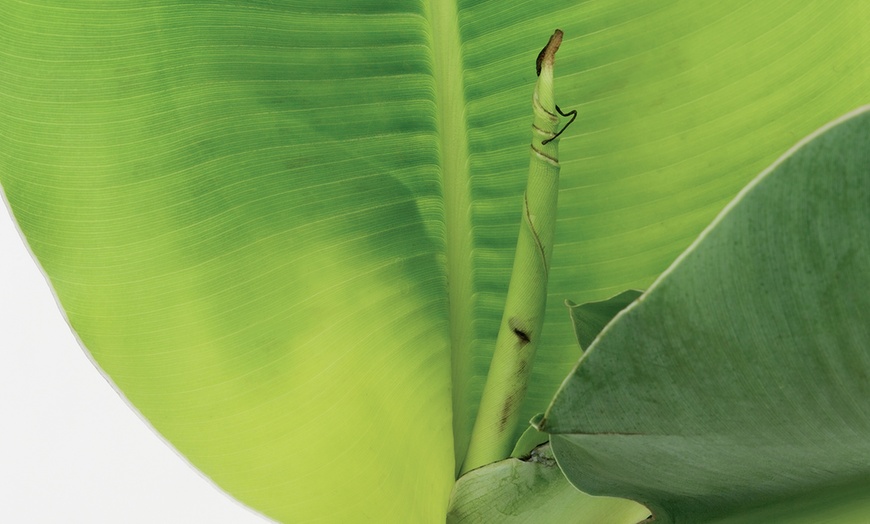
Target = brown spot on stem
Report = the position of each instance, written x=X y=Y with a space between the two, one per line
x=548 y=53
x=520 y=331
x=522 y=336
x=506 y=412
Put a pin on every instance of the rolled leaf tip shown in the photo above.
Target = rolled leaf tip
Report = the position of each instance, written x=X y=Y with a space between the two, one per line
x=548 y=53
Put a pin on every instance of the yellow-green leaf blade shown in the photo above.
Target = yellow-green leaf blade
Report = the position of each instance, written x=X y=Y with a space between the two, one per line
x=238 y=207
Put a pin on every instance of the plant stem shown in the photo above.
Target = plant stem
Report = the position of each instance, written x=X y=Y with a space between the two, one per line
x=523 y=318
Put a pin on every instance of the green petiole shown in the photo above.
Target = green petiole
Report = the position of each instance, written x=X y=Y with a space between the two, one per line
x=520 y=330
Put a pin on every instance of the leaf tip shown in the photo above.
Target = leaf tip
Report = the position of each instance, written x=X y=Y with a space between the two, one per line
x=548 y=53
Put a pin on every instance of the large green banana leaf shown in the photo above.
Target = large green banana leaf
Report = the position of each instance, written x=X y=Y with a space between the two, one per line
x=284 y=229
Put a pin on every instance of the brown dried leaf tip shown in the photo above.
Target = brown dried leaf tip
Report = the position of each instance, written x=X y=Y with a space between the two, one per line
x=548 y=53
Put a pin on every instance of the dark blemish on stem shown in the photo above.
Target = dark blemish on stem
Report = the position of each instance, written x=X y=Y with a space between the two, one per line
x=518 y=329
x=522 y=336
x=521 y=368
x=572 y=113
x=506 y=411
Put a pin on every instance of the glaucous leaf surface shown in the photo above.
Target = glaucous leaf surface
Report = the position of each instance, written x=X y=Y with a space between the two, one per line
x=285 y=229
x=739 y=379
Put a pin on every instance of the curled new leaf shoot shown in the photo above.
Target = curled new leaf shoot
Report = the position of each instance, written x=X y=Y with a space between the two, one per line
x=523 y=318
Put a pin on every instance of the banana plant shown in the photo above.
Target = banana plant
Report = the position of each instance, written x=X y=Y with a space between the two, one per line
x=286 y=230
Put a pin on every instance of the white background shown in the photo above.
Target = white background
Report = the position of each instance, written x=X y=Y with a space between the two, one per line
x=71 y=450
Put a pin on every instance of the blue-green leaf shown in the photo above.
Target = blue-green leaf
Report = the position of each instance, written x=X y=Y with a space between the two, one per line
x=740 y=378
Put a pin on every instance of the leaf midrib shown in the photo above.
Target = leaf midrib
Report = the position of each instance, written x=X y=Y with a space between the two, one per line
x=445 y=43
